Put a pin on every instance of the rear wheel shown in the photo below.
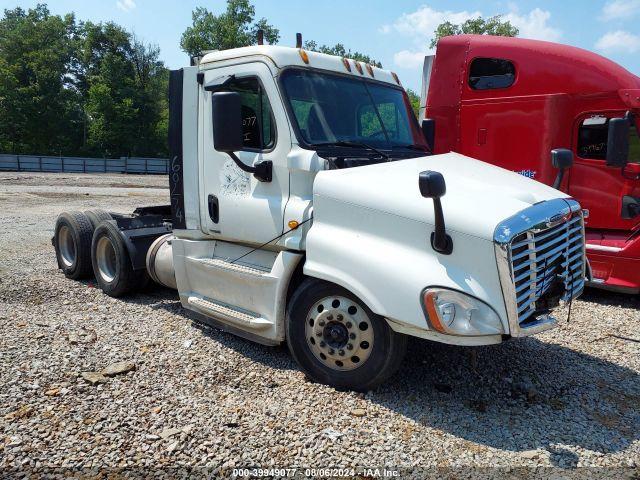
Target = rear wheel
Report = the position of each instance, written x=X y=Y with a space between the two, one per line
x=72 y=241
x=96 y=216
x=111 y=263
x=337 y=340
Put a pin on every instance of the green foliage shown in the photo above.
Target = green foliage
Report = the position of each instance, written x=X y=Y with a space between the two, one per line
x=83 y=88
x=78 y=89
x=38 y=104
x=490 y=26
x=414 y=98
x=339 y=50
x=232 y=29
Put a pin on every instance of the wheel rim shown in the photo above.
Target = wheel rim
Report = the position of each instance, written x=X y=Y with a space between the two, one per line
x=67 y=246
x=106 y=259
x=339 y=333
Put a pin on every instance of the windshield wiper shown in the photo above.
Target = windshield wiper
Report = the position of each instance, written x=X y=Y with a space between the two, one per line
x=345 y=143
x=412 y=147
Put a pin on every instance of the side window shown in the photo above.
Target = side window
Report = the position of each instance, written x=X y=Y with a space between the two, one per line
x=490 y=73
x=592 y=138
x=257 y=118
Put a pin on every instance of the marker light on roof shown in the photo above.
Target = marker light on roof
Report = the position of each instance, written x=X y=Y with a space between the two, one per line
x=358 y=67
x=370 y=70
x=303 y=56
x=346 y=64
x=395 y=77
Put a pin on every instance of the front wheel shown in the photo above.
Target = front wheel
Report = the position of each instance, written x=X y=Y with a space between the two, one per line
x=339 y=341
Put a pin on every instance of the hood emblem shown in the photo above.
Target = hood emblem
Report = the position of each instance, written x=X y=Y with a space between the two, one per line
x=558 y=219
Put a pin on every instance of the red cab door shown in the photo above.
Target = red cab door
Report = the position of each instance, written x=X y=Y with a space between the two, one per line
x=608 y=192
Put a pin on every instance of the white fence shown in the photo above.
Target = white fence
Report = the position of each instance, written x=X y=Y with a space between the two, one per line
x=40 y=163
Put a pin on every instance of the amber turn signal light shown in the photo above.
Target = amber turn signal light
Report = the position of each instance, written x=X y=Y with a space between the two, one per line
x=432 y=311
x=370 y=70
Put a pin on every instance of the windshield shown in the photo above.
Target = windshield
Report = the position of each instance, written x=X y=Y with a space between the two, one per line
x=329 y=108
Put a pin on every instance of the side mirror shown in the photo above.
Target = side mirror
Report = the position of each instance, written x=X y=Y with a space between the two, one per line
x=429 y=132
x=618 y=142
x=561 y=158
x=432 y=185
x=226 y=110
x=227 y=121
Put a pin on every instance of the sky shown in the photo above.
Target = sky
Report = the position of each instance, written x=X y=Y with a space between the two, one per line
x=396 y=33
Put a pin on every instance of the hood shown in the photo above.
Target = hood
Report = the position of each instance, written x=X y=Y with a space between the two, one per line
x=478 y=197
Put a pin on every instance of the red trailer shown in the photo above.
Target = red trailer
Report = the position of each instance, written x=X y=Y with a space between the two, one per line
x=511 y=101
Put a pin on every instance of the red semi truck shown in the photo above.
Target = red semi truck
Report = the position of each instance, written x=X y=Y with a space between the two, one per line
x=511 y=102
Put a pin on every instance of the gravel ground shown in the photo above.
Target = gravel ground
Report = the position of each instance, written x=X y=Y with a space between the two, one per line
x=199 y=397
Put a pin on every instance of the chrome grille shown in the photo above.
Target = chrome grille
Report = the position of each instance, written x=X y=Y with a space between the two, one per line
x=541 y=259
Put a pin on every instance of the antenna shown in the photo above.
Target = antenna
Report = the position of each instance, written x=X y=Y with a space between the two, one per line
x=298 y=40
x=260 y=37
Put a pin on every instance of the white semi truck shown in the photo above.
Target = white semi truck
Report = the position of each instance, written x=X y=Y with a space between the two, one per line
x=306 y=208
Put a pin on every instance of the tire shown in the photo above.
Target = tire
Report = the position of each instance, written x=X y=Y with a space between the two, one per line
x=72 y=242
x=337 y=340
x=112 y=264
x=96 y=216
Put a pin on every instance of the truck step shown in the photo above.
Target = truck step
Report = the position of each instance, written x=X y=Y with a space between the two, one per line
x=235 y=267
x=230 y=314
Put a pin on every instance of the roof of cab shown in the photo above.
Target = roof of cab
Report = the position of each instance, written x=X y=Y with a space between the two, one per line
x=547 y=66
x=283 y=57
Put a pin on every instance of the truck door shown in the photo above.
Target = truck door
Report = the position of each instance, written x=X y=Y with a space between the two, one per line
x=235 y=205
x=607 y=192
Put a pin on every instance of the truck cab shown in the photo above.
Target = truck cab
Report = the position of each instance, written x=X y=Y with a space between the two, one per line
x=511 y=102
x=307 y=208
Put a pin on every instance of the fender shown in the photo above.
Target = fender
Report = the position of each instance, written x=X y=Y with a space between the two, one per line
x=138 y=233
x=388 y=268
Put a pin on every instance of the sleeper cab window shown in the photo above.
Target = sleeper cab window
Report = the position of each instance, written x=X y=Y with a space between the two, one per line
x=491 y=73
x=258 y=125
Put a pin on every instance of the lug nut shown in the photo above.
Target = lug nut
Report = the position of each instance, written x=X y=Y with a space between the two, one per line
x=339 y=317
x=331 y=351
x=318 y=334
x=341 y=353
x=349 y=324
x=350 y=347
x=329 y=317
x=321 y=323
x=322 y=344
x=352 y=336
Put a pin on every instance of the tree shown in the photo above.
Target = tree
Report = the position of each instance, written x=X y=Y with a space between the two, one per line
x=339 y=50
x=124 y=85
x=491 y=26
x=232 y=29
x=151 y=79
x=70 y=88
x=38 y=105
x=414 y=99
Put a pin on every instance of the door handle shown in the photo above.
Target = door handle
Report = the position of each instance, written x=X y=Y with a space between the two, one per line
x=214 y=210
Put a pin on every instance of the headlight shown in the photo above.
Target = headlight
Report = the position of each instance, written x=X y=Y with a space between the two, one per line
x=456 y=313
